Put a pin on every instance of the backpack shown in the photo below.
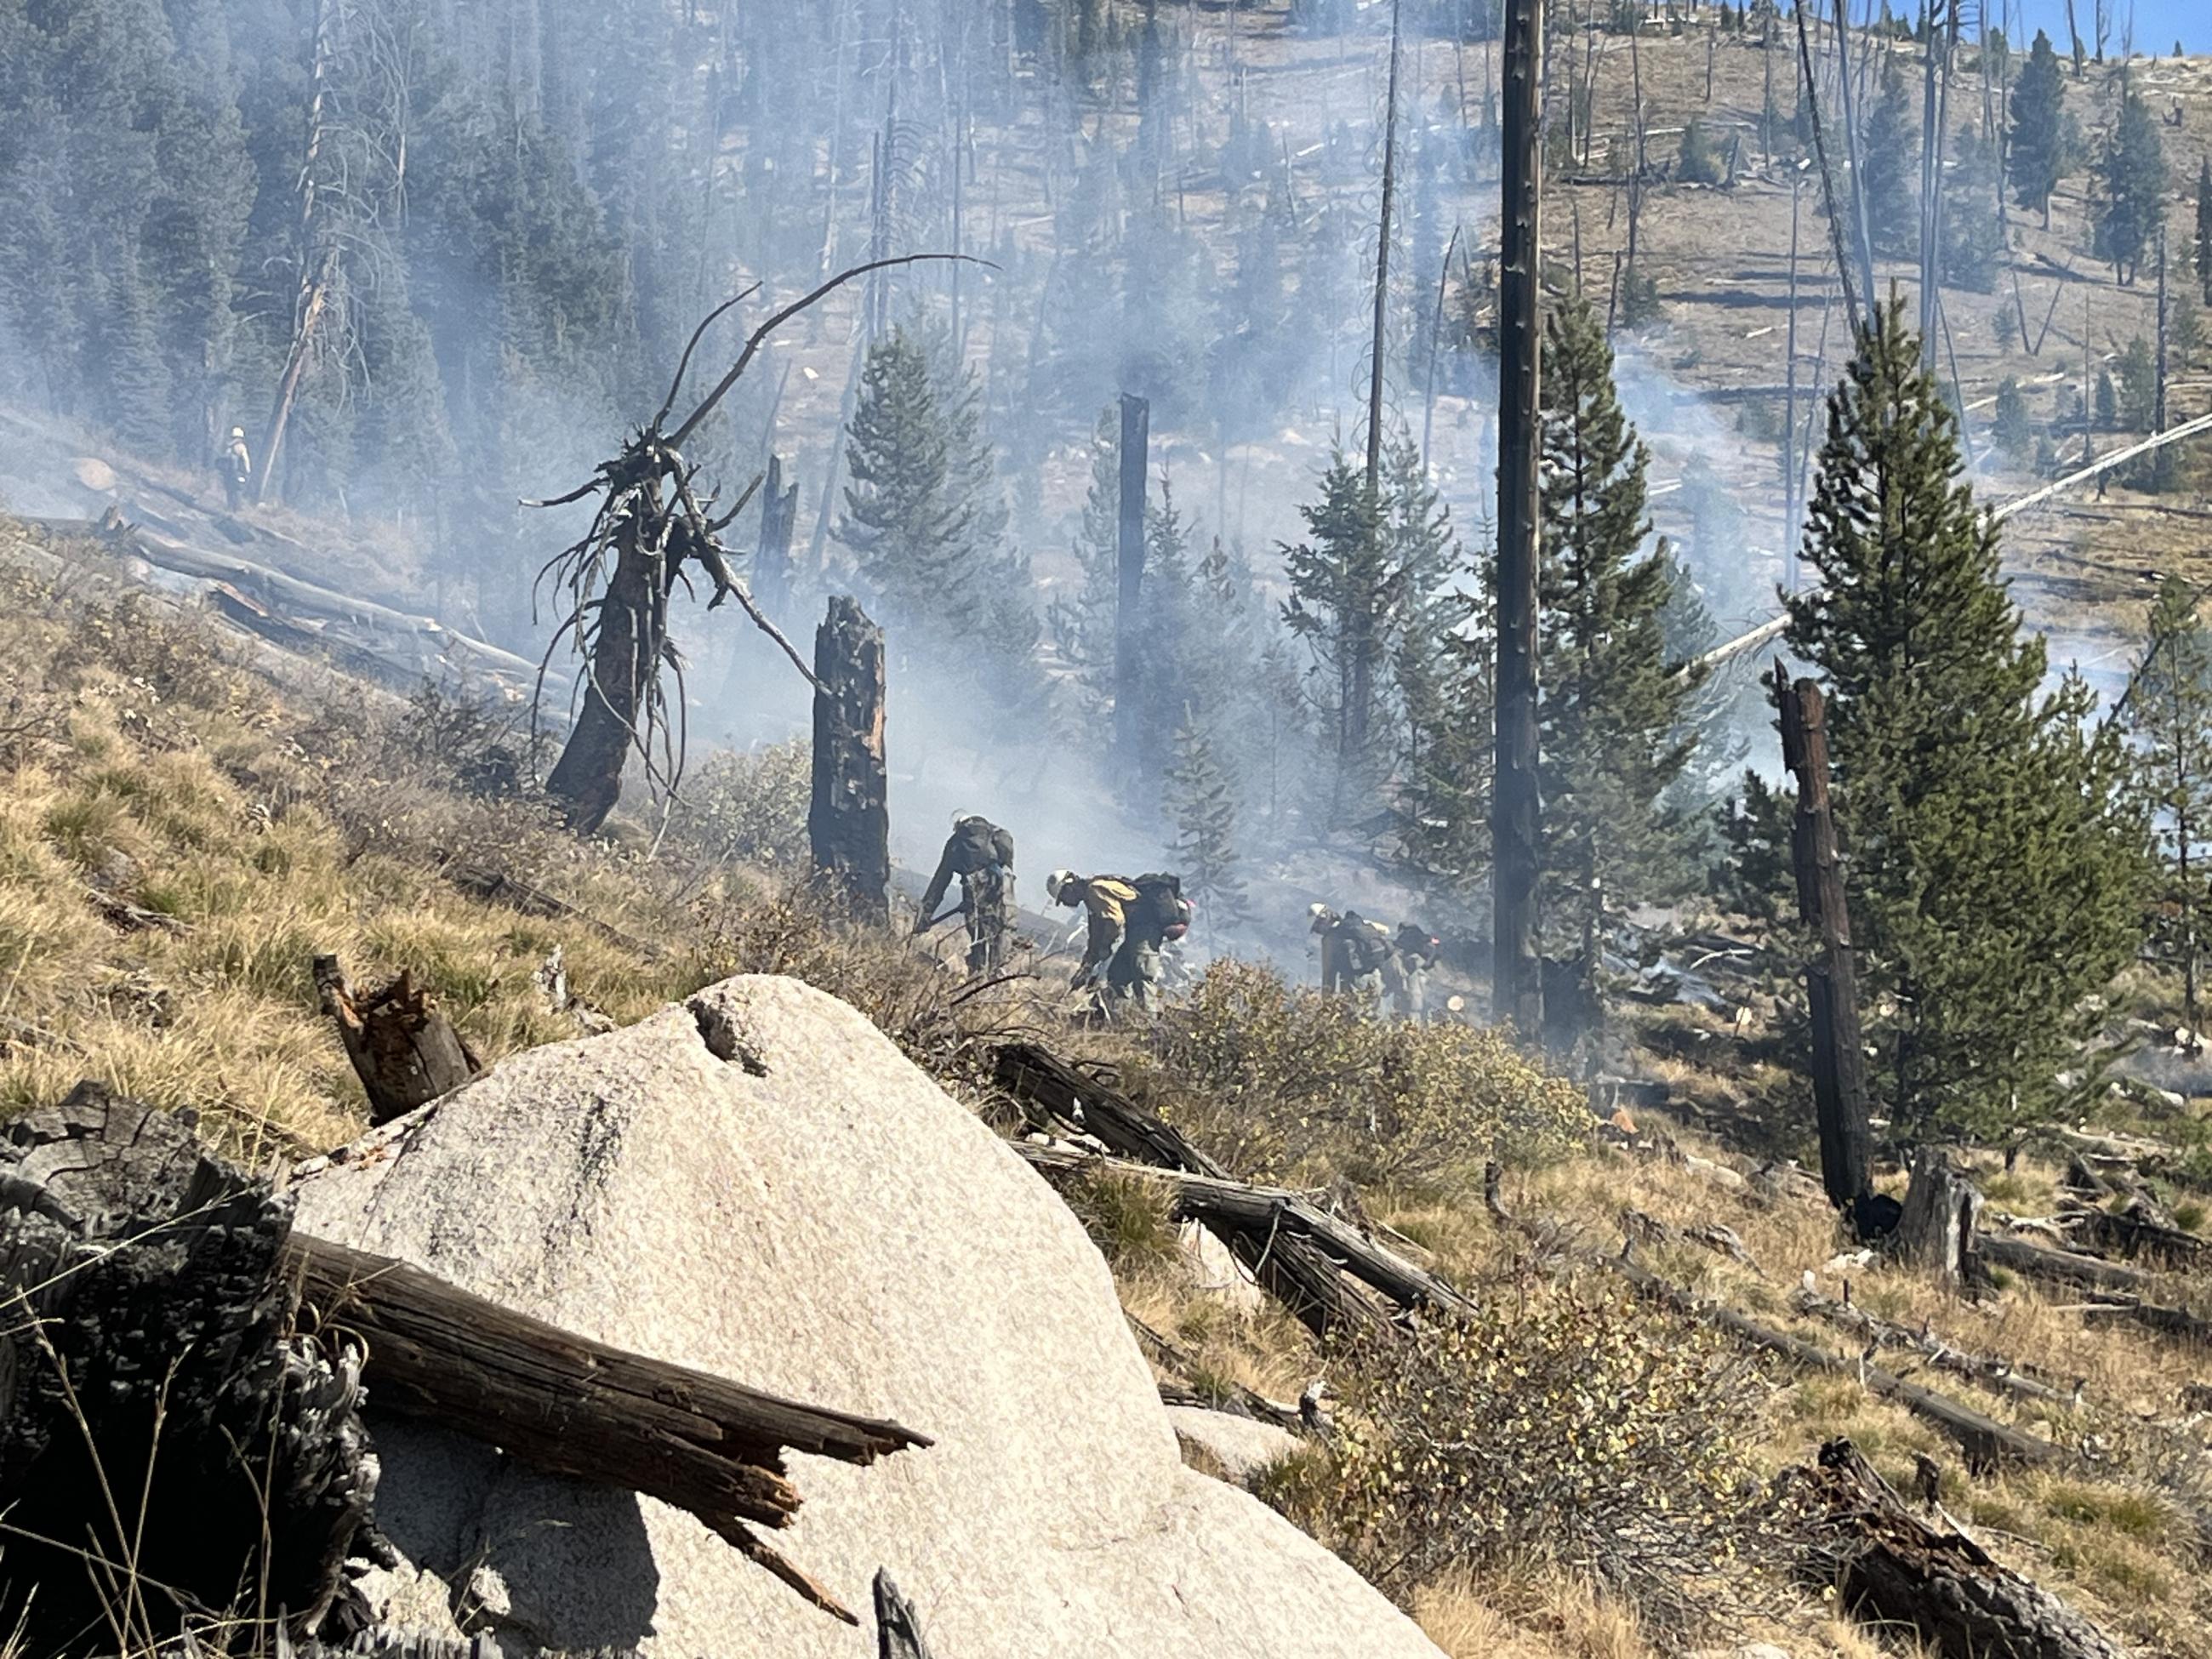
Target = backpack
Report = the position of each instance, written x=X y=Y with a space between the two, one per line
x=1366 y=948
x=1160 y=902
x=978 y=843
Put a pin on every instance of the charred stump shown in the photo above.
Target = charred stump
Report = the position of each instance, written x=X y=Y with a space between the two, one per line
x=849 y=821
x=1894 y=1568
x=402 y=1047
x=1936 y=1228
x=898 y=1631
x=171 y=1453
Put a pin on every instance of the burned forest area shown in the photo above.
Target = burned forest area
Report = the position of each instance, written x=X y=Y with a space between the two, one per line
x=979 y=829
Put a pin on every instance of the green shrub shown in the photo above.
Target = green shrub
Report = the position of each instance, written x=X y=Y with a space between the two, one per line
x=750 y=807
x=1562 y=1423
x=1277 y=1079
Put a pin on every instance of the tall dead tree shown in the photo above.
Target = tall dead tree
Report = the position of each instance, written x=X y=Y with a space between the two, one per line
x=1789 y=404
x=1931 y=166
x=771 y=571
x=848 y=819
x=1830 y=982
x=654 y=521
x=1129 y=570
x=1516 y=812
x=1363 y=630
x=1861 y=228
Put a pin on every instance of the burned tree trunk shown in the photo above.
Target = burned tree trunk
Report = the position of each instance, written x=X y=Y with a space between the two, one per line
x=1831 y=986
x=1517 y=974
x=1936 y=1229
x=848 y=823
x=1129 y=593
x=1037 y=1075
x=1890 y=1564
x=403 y=1049
x=166 y=1441
x=898 y=1631
x=772 y=560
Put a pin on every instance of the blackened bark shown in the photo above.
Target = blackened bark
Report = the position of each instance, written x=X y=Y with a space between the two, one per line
x=1129 y=592
x=848 y=823
x=402 y=1047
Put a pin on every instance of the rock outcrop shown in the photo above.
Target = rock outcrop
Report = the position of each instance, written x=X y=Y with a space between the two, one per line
x=758 y=1183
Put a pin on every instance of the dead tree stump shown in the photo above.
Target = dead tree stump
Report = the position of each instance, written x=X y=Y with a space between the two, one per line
x=146 y=1353
x=403 y=1049
x=772 y=560
x=849 y=822
x=1936 y=1229
x=898 y=1633
x=1889 y=1565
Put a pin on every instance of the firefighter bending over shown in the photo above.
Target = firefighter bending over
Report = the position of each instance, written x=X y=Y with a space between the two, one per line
x=982 y=855
x=1130 y=920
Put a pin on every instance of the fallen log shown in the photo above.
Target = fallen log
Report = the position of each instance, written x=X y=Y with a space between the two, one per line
x=567 y=1404
x=1034 y=1074
x=404 y=1050
x=1985 y=1442
x=1893 y=1568
x=1297 y=1251
x=1993 y=1373
x=497 y=887
x=1233 y=1398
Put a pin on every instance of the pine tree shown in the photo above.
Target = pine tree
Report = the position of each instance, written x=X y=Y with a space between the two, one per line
x=1972 y=239
x=1892 y=160
x=1203 y=802
x=1083 y=627
x=1609 y=723
x=2169 y=726
x=1340 y=585
x=1699 y=162
x=2131 y=189
x=2204 y=226
x=2037 y=154
x=2108 y=400
x=2014 y=435
x=2138 y=385
x=1992 y=881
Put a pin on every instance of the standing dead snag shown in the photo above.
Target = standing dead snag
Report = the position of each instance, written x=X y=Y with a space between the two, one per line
x=653 y=520
x=403 y=1049
x=848 y=819
x=1831 y=983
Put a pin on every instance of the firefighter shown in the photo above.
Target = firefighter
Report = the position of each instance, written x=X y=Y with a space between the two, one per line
x=1414 y=953
x=1362 y=949
x=237 y=468
x=1131 y=919
x=1322 y=934
x=981 y=854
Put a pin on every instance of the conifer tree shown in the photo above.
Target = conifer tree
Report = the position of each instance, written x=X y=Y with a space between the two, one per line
x=1340 y=585
x=2131 y=189
x=1610 y=719
x=1972 y=239
x=1992 y=880
x=2108 y=400
x=2138 y=385
x=1891 y=156
x=1203 y=802
x=2037 y=154
x=1083 y=627
x=2169 y=726
x=2014 y=435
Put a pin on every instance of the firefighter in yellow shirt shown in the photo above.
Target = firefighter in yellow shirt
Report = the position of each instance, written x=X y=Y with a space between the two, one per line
x=1107 y=900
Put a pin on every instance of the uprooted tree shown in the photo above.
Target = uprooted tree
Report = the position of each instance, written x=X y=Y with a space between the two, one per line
x=654 y=518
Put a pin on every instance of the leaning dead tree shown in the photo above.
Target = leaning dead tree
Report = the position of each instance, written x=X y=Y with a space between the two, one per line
x=654 y=522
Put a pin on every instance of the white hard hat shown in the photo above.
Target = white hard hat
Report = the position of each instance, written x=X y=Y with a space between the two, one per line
x=1056 y=882
x=238 y=432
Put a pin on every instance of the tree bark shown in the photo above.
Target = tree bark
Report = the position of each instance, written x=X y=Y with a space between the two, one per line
x=147 y=1352
x=1298 y=1252
x=1831 y=985
x=898 y=1631
x=569 y=1404
x=1899 y=1569
x=403 y=1049
x=849 y=822
x=1517 y=972
x=1034 y=1074
x=626 y=655
x=1936 y=1229
x=1129 y=589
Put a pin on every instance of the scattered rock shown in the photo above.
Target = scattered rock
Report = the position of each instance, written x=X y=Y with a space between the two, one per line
x=1241 y=1446
x=826 y=1224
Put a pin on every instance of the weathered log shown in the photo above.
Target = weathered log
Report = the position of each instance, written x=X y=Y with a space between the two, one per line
x=1233 y=1398
x=165 y=1438
x=2061 y=1267
x=497 y=887
x=1894 y=1568
x=1299 y=1252
x=898 y=1631
x=565 y=1403
x=2002 y=1375
x=1936 y=1228
x=849 y=820
x=402 y=1047
x=1985 y=1442
x=1036 y=1074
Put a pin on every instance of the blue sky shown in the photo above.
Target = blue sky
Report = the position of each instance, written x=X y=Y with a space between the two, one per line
x=2159 y=24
